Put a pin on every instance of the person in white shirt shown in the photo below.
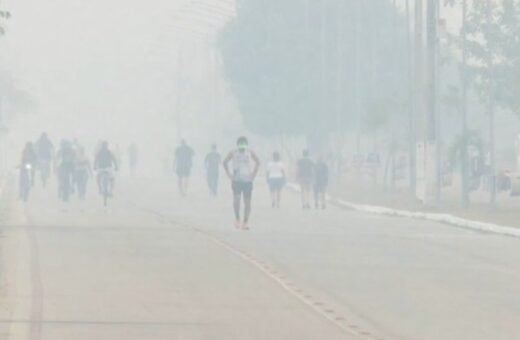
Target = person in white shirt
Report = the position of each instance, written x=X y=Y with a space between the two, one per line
x=276 y=178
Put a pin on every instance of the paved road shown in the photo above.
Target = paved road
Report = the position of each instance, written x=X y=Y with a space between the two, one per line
x=156 y=266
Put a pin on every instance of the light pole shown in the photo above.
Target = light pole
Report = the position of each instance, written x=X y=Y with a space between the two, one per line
x=464 y=108
x=412 y=162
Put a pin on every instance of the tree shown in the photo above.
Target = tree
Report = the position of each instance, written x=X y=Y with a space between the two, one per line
x=491 y=29
x=281 y=57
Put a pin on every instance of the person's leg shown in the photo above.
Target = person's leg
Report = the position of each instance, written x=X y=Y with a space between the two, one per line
x=272 y=191
x=302 y=194
x=209 y=181
x=237 y=195
x=307 y=194
x=316 y=197
x=112 y=182
x=324 y=197
x=248 y=195
x=78 y=184
x=185 y=185
x=278 y=197
x=179 y=183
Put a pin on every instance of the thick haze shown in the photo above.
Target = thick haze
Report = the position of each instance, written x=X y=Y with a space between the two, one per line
x=104 y=69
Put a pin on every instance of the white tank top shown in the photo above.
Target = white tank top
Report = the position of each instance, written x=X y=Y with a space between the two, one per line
x=242 y=166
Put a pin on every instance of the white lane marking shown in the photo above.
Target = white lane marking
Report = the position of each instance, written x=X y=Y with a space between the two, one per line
x=319 y=307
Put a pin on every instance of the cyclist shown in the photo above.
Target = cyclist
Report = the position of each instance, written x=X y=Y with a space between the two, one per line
x=212 y=164
x=27 y=162
x=105 y=162
x=276 y=178
x=182 y=163
x=45 y=153
x=321 y=182
x=245 y=165
x=305 y=176
x=66 y=161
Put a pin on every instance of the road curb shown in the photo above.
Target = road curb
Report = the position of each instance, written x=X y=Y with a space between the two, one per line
x=434 y=217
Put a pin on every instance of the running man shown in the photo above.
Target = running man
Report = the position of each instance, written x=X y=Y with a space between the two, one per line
x=276 y=178
x=242 y=176
x=305 y=176
x=321 y=182
x=212 y=164
x=182 y=163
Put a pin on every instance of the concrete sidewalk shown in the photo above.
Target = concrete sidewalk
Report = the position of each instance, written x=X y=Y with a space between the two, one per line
x=506 y=213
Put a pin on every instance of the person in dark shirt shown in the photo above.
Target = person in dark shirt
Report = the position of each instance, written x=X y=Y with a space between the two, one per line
x=183 y=163
x=304 y=175
x=321 y=182
x=212 y=164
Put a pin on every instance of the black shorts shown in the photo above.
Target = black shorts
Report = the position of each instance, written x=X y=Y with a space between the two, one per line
x=245 y=188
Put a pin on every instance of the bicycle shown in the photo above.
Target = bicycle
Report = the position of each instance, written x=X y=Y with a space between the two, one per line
x=105 y=185
x=25 y=181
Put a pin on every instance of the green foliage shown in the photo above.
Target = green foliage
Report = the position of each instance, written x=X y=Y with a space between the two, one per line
x=471 y=139
x=494 y=46
x=290 y=62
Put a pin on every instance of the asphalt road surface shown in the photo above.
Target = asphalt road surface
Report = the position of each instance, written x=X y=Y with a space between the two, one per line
x=158 y=266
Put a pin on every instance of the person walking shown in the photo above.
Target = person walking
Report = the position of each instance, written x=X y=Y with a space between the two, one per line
x=321 y=182
x=212 y=165
x=183 y=163
x=276 y=178
x=305 y=177
x=244 y=168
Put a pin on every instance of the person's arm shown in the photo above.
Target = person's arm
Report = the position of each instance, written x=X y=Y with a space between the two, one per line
x=257 y=164
x=225 y=163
